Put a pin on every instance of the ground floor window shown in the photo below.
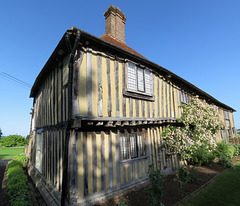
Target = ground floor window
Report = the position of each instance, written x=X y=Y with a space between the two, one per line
x=132 y=145
x=39 y=148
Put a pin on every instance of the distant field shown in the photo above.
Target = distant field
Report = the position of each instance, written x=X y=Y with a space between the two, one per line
x=9 y=153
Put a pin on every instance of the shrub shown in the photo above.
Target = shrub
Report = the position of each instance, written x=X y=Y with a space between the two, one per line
x=14 y=140
x=202 y=156
x=21 y=158
x=199 y=124
x=222 y=151
x=154 y=191
x=184 y=176
x=231 y=150
x=226 y=162
x=13 y=163
x=235 y=142
x=18 y=189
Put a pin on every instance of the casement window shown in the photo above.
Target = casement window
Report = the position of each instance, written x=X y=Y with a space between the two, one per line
x=139 y=80
x=39 y=149
x=225 y=135
x=132 y=145
x=226 y=115
x=184 y=97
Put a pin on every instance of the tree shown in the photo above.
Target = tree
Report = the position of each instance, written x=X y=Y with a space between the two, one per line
x=0 y=133
x=14 y=140
x=27 y=137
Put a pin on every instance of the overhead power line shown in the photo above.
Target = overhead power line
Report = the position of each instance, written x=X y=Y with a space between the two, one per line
x=15 y=80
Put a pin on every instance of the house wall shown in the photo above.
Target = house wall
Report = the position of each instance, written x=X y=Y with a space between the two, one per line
x=100 y=170
x=101 y=83
x=229 y=124
x=49 y=118
x=98 y=91
x=51 y=105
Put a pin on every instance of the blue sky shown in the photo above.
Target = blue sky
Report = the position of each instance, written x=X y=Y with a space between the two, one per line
x=197 y=40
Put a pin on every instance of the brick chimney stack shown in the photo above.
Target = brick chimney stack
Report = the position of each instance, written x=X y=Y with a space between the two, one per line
x=115 y=23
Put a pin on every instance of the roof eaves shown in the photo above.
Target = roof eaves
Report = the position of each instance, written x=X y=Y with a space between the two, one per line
x=132 y=55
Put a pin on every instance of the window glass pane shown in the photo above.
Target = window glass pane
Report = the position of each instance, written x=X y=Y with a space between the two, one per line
x=133 y=145
x=132 y=80
x=187 y=98
x=184 y=97
x=148 y=82
x=140 y=79
x=123 y=147
x=140 y=145
x=39 y=142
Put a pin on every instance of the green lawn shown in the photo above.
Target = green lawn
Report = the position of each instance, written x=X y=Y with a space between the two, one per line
x=223 y=191
x=9 y=153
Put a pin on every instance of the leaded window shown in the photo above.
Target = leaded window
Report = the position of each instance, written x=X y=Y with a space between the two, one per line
x=124 y=146
x=132 y=145
x=184 y=97
x=226 y=115
x=139 y=80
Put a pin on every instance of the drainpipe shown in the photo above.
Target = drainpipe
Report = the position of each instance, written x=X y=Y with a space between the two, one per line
x=69 y=121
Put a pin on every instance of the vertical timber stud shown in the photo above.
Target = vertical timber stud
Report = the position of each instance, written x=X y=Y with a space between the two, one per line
x=65 y=183
x=73 y=167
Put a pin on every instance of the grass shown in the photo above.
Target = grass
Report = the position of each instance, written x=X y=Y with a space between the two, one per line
x=9 y=153
x=224 y=190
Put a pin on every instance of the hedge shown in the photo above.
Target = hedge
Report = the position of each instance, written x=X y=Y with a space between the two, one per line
x=17 y=185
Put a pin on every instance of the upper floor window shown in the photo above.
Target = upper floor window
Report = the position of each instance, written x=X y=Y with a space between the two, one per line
x=184 y=97
x=139 y=80
x=226 y=115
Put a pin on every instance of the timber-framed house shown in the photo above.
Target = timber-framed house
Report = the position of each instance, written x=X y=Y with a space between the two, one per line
x=98 y=112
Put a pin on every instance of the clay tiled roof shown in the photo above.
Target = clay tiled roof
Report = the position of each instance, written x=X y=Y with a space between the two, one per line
x=115 y=42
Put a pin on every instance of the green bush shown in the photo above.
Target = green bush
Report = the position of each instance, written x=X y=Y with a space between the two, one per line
x=154 y=191
x=21 y=158
x=184 y=176
x=14 y=140
x=13 y=163
x=202 y=156
x=231 y=150
x=235 y=142
x=226 y=162
x=222 y=151
x=18 y=189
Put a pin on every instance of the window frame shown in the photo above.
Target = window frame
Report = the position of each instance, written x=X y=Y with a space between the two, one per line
x=136 y=92
x=39 y=150
x=184 y=97
x=226 y=115
x=140 y=150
